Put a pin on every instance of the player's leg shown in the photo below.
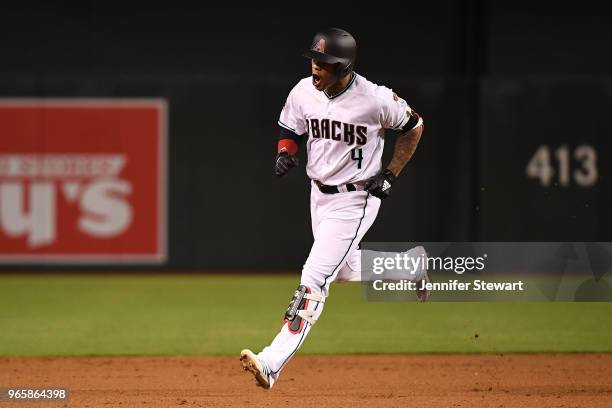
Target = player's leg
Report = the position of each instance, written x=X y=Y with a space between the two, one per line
x=343 y=219
x=351 y=270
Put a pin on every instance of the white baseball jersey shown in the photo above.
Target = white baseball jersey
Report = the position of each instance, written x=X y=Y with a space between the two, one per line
x=345 y=131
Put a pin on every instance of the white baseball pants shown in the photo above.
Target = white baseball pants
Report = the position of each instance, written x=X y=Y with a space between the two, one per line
x=339 y=222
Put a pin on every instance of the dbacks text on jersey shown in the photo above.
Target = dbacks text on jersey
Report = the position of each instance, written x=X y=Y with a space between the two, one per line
x=336 y=130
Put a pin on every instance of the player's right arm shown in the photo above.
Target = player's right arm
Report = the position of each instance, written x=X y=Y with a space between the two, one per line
x=292 y=132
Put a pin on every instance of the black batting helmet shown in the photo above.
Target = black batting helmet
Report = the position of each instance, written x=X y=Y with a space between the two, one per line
x=334 y=46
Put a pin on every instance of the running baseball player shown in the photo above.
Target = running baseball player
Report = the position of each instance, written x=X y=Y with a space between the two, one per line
x=344 y=117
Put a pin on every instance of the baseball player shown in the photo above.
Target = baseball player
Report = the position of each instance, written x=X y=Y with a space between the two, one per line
x=343 y=116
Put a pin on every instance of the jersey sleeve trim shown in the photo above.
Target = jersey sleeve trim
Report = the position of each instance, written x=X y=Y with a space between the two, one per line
x=289 y=134
x=402 y=122
x=411 y=120
x=281 y=124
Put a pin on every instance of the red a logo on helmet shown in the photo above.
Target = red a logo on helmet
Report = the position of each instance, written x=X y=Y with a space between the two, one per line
x=321 y=45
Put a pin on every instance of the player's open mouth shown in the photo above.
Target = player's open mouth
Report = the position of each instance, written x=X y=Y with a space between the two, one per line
x=316 y=80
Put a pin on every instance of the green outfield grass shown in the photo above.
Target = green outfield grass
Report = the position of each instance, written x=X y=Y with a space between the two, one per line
x=199 y=314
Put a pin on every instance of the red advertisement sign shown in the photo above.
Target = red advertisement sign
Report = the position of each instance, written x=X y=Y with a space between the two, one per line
x=82 y=181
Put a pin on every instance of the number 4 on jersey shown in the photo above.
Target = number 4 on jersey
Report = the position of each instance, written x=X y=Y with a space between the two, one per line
x=357 y=154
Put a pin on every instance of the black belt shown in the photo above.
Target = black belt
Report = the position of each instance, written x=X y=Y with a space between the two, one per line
x=325 y=189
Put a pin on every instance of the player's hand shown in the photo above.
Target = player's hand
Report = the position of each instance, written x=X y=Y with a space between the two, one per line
x=380 y=185
x=284 y=162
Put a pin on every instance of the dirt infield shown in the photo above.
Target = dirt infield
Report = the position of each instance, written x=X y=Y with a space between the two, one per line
x=569 y=380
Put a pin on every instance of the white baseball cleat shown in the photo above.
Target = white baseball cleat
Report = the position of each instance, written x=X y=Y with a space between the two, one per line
x=423 y=294
x=251 y=363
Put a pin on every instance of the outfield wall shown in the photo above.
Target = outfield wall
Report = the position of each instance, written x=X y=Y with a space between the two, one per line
x=515 y=147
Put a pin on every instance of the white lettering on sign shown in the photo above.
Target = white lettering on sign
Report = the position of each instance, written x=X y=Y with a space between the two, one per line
x=106 y=214
x=60 y=165
x=30 y=186
x=37 y=220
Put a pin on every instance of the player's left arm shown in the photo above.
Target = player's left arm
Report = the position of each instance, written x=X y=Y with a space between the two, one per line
x=411 y=128
x=406 y=143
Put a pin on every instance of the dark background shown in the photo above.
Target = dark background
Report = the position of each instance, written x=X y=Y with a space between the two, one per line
x=494 y=81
